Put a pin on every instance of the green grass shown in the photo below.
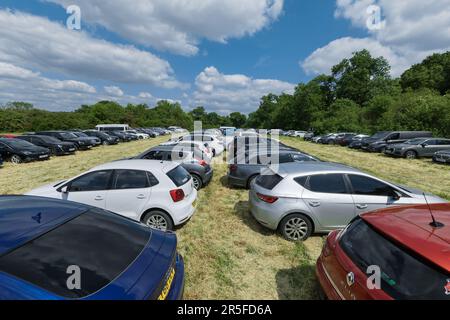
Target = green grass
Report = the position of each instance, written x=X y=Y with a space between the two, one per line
x=228 y=255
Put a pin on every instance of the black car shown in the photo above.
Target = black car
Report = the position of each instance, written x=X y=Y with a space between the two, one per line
x=344 y=139
x=123 y=137
x=241 y=172
x=95 y=141
x=105 y=138
x=381 y=140
x=19 y=151
x=56 y=146
x=81 y=143
x=190 y=159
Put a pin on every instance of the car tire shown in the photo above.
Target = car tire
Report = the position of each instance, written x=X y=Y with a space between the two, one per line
x=411 y=155
x=158 y=220
x=250 y=180
x=296 y=227
x=197 y=181
x=16 y=159
x=105 y=143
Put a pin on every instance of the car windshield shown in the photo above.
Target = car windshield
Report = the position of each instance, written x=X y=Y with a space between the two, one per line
x=67 y=135
x=50 y=139
x=179 y=176
x=115 y=243
x=16 y=143
x=415 y=141
x=81 y=134
x=403 y=274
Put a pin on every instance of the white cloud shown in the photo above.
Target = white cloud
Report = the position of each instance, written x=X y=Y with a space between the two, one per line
x=20 y=84
x=114 y=91
x=227 y=93
x=179 y=25
x=411 y=31
x=35 y=42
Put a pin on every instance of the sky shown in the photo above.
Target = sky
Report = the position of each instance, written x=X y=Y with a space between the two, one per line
x=220 y=54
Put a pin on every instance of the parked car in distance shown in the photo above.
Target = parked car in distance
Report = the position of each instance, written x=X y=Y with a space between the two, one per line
x=250 y=145
x=381 y=140
x=418 y=148
x=190 y=159
x=411 y=254
x=316 y=139
x=8 y=136
x=160 y=195
x=213 y=142
x=19 y=151
x=56 y=146
x=199 y=146
x=139 y=135
x=356 y=141
x=241 y=172
x=319 y=197
x=442 y=157
x=308 y=136
x=123 y=137
x=94 y=140
x=105 y=138
x=344 y=139
x=131 y=261
x=81 y=143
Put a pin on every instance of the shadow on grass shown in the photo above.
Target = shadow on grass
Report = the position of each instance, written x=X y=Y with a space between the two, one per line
x=224 y=182
x=298 y=283
x=241 y=210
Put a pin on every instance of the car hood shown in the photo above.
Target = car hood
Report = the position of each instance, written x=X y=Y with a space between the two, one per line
x=431 y=198
x=46 y=190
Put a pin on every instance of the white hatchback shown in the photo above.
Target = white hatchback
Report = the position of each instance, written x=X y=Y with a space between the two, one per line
x=158 y=194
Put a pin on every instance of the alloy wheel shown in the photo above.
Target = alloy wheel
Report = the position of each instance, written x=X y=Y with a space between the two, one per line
x=158 y=222
x=410 y=155
x=16 y=159
x=197 y=183
x=296 y=228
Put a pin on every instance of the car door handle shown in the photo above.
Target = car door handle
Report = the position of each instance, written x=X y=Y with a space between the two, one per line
x=98 y=198
x=314 y=204
x=141 y=196
x=362 y=206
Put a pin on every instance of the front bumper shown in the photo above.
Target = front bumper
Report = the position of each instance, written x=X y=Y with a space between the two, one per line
x=36 y=157
x=441 y=158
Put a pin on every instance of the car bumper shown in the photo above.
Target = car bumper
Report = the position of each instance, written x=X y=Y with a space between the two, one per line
x=441 y=159
x=184 y=210
x=325 y=281
x=263 y=212
x=177 y=290
x=208 y=177
x=85 y=147
x=41 y=157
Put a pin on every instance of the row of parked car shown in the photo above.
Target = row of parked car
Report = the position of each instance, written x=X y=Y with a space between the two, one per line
x=402 y=144
x=129 y=254
x=374 y=225
x=38 y=146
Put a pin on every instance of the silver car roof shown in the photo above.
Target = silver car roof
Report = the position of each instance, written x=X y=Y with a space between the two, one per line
x=286 y=169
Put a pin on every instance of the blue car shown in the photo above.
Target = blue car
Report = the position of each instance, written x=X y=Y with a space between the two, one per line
x=59 y=250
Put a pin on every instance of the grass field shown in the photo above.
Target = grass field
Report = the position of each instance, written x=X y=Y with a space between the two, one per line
x=228 y=254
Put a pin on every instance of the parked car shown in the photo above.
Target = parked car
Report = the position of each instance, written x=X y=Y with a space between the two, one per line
x=123 y=137
x=95 y=141
x=139 y=135
x=250 y=145
x=316 y=139
x=56 y=146
x=199 y=146
x=1 y=161
x=213 y=142
x=344 y=139
x=18 y=151
x=104 y=138
x=81 y=143
x=442 y=157
x=189 y=158
x=410 y=255
x=309 y=136
x=299 y=134
x=160 y=195
x=418 y=148
x=242 y=172
x=356 y=141
x=381 y=140
x=320 y=197
x=8 y=136
x=42 y=239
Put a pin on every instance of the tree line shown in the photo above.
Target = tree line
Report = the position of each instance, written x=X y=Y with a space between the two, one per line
x=358 y=95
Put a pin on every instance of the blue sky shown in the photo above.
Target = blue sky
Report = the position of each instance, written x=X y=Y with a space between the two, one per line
x=222 y=57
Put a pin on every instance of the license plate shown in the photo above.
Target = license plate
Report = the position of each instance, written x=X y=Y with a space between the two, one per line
x=71 y=149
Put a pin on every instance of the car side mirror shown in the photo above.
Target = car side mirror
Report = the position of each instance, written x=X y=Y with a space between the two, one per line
x=64 y=189
x=396 y=195
x=424 y=145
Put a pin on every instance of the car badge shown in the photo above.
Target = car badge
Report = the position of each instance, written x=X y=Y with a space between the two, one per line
x=37 y=217
x=447 y=288
x=350 y=279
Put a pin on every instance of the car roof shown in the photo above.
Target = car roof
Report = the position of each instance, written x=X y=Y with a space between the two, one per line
x=137 y=164
x=286 y=169
x=24 y=218
x=410 y=226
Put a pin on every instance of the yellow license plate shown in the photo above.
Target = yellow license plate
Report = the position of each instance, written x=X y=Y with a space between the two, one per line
x=166 y=290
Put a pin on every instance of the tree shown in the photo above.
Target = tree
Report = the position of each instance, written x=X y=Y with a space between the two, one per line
x=237 y=119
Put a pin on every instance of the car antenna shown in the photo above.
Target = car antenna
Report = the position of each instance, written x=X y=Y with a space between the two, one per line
x=434 y=224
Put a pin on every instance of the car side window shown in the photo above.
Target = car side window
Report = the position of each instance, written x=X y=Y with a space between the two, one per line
x=327 y=183
x=300 y=158
x=369 y=187
x=154 y=155
x=394 y=136
x=431 y=142
x=443 y=142
x=130 y=179
x=94 y=181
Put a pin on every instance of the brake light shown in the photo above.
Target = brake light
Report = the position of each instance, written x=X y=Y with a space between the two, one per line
x=233 y=168
x=268 y=199
x=203 y=163
x=177 y=195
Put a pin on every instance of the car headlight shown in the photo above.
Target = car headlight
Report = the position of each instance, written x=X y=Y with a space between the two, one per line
x=81 y=143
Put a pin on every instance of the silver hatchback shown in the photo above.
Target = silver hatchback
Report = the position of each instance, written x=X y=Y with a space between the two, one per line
x=319 y=197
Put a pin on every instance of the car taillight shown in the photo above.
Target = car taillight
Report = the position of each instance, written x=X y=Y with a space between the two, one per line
x=203 y=163
x=233 y=168
x=268 y=199
x=177 y=195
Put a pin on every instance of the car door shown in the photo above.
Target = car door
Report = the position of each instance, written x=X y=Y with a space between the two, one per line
x=430 y=147
x=130 y=192
x=90 y=188
x=370 y=194
x=328 y=197
x=4 y=150
x=442 y=144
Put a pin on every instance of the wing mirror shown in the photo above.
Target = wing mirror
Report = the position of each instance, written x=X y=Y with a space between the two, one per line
x=396 y=195
x=424 y=145
x=63 y=189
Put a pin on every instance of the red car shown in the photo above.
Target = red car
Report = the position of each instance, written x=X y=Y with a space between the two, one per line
x=8 y=136
x=389 y=254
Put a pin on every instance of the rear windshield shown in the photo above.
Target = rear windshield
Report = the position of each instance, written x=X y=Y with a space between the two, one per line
x=179 y=176
x=102 y=245
x=268 y=181
x=404 y=276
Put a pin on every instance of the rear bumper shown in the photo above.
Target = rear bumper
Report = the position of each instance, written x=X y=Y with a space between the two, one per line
x=265 y=215
x=208 y=177
x=177 y=290
x=325 y=282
